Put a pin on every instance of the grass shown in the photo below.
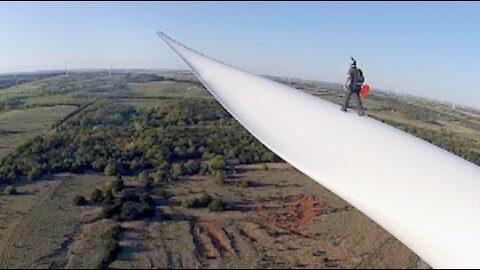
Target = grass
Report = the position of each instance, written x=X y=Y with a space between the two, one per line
x=11 y=141
x=17 y=126
x=34 y=119
x=10 y=190
x=53 y=100
x=47 y=219
x=141 y=104
x=167 y=89
x=60 y=90
x=22 y=90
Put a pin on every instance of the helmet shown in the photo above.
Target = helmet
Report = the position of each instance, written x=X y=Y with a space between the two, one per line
x=354 y=62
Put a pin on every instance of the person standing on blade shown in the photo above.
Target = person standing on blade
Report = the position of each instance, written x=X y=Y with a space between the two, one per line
x=353 y=84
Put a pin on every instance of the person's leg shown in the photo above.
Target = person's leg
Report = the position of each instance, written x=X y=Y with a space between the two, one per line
x=359 y=104
x=347 y=98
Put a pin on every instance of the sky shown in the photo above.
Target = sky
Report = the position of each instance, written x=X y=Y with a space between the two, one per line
x=422 y=48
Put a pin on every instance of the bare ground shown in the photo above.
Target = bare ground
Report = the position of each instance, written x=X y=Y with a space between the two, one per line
x=43 y=229
x=284 y=221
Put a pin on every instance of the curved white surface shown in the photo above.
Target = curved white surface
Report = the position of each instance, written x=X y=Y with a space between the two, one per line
x=425 y=196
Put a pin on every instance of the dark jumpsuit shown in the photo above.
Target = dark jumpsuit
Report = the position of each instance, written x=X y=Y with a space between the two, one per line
x=353 y=90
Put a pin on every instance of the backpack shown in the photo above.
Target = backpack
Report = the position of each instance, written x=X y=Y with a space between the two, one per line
x=360 y=77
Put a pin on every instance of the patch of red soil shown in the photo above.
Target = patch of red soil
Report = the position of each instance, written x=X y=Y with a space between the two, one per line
x=217 y=236
x=206 y=246
x=293 y=213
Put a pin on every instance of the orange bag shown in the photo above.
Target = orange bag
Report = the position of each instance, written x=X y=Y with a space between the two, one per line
x=364 y=90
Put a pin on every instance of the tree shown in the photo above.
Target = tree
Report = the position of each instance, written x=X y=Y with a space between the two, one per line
x=145 y=179
x=176 y=169
x=117 y=184
x=108 y=196
x=97 y=195
x=99 y=163
x=10 y=190
x=205 y=200
x=111 y=168
x=160 y=192
x=268 y=156
x=111 y=209
x=158 y=176
x=217 y=163
x=189 y=203
x=219 y=178
x=129 y=194
x=34 y=174
x=216 y=205
x=201 y=202
x=192 y=167
x=135 y=210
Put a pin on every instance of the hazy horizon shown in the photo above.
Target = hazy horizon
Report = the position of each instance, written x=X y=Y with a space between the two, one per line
x=424 y=49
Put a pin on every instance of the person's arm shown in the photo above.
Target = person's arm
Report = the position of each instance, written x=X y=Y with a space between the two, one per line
x=347 y=82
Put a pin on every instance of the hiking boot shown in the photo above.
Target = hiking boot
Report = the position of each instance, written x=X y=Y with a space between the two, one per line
x=361 y=113
x=343 y=109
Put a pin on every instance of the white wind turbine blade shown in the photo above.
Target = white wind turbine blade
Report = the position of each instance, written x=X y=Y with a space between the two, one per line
x=425 y=196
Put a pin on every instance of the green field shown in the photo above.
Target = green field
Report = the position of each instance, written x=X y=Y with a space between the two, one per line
x=166 y=89
x=16 y=126
x=32 y=119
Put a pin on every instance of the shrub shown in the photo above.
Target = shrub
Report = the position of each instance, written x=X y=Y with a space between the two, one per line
x=34 y=174
x=192 y=167
x=219 y=178
x=135 y=210
x=146 y=199
x=97 y=195
x=107 y=195
x=111 y=168
x=216 y=205
x=10 y=190
x=177 y=170
x=117 y=185
x=245 y=183
x=129 y=195
x=145 y=179
x=112 y=248
x=268 y=156
x=204 y=201
x=111 y=209
x=160 y=192
x=189 y=203
x=201 y=202
x=158 y=176
x=79 y=200
x=217 y=163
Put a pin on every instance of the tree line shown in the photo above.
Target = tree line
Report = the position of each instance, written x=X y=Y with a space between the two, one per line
x=180 y=137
